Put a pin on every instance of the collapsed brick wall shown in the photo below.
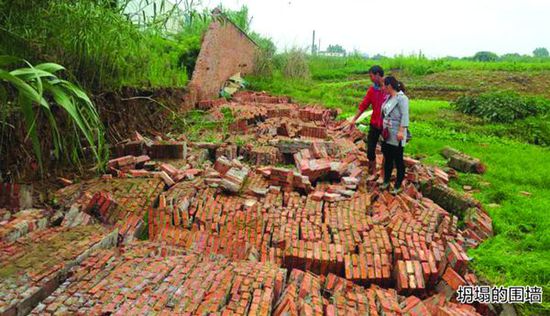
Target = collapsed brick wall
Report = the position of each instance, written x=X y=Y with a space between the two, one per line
x=230 y=238
x=225 y=51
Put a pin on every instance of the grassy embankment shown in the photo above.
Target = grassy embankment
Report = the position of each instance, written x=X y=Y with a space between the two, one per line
x=516 y=188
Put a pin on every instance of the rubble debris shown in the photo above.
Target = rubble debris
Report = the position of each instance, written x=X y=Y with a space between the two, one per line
x=155 y=149
x=313 y=132
x=208 y=104
x=258 y=97
x=109 y=283
x=232 y=85
x=118 y=202
x=199 y=285
x=233 y=179
x=291 y=146
x=172 y=150
x=448 y=198
x=21 y=223
x=462 y=162
x=34 y=266
x=262 y=155
x=229 y=151
x=239 y=219
x=479 y=226
x=231 y=174
x=75 y=217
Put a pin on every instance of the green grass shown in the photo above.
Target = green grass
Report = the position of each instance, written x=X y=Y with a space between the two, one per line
x=519 y=254
x=331 y=68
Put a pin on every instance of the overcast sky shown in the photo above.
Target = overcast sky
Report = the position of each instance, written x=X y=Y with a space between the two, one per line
x=437 y=27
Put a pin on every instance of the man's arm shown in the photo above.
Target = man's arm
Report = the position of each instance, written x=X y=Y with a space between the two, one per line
x=363 y=106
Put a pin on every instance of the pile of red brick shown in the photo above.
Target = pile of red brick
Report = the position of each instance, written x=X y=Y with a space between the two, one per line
x=140 y=283
x=157 y=149
x=225 y=233
x=308 y=114
x=228 y=175
x=118 y=202
x=347 y=238
x=22 y=223
x=313 y=132
x=262 y=155
x=258 y=97
x=35 y=265
x=208 y=104
x=148 y=278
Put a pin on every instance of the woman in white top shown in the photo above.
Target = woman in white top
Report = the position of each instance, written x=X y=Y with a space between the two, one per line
x=395 y=116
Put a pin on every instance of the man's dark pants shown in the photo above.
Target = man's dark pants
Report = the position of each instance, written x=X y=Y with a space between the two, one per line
x=372 y=141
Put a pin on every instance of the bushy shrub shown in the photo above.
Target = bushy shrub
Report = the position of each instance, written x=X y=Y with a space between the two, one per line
x=485 y=56
x=502 y=107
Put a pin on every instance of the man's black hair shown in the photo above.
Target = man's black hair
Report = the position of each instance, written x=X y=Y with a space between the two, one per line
x=376 y=70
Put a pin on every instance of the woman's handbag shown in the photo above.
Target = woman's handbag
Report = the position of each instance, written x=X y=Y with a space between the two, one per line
x=385 y=133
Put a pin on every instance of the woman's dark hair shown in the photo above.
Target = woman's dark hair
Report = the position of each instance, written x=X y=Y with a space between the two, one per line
x=394 y=83
x=376 y=70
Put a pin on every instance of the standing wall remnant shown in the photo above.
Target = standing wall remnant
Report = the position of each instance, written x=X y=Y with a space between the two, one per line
x=225 y=50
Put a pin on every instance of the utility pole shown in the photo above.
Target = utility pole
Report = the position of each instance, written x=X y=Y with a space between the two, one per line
x=313 y=44
x=319 y=47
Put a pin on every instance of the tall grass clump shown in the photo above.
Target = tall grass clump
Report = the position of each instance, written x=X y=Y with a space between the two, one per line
x=36 y=94
x=263 y=63
x=295 y=65
x=101 y=47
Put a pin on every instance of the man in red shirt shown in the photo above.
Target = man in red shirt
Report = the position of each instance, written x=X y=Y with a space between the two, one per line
x=375 y=97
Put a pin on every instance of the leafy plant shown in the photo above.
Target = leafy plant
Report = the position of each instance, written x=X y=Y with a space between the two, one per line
x=485 y=56
x=503 y=106
x=38 y=91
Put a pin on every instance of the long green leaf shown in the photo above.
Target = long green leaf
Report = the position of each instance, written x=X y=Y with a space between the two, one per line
x=29 y=73
x=50 y=67
x=66 y=103
x=27 y=90
x=30 y=120
x=72 y=88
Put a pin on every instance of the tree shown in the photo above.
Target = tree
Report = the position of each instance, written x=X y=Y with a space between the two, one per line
x=378 y=57
x=510 y=57
x=336 y=49
x=540 y=52
x=485 y=56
